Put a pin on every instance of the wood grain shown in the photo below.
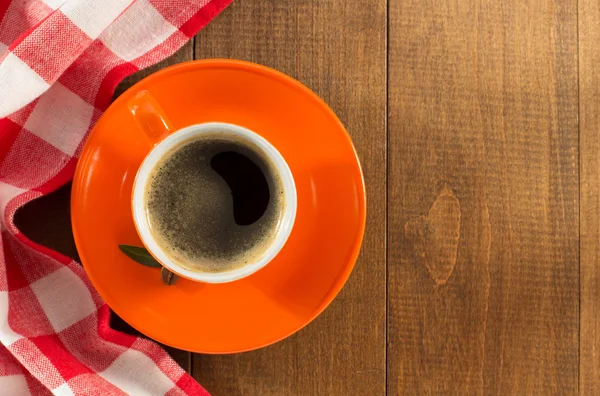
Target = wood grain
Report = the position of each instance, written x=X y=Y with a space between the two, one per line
x=483 y=197
x=589 y=124
x=337 y=49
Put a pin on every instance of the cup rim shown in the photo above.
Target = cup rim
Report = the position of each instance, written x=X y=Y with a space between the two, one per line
x=159 y=150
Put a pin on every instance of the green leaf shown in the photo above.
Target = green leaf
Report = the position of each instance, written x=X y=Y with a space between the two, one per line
x=140 y=255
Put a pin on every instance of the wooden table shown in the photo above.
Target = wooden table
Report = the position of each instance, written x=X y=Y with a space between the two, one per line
x=477 y=123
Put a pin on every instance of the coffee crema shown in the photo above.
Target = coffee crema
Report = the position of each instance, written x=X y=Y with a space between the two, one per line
x=214 y=204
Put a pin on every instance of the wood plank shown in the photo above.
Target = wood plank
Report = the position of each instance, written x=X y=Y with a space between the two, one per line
x=337 y=49
x=47 y=220
x=483 y=197
x=589 y=124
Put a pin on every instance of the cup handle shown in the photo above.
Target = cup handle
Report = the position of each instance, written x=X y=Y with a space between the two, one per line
x=150 y=117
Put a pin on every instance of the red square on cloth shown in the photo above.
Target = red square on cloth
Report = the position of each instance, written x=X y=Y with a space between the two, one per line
x=9 y=131
x=38 y=364
x=39 y=53
x=19 y=17
x=59 y=356
x=27 y=320
x=96 y=354
x=30 y=161
x=22 y=256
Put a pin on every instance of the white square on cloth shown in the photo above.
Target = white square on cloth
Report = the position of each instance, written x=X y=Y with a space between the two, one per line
x=93 y=16
x=14 y=385
x=7 y=192
x=64 y=298
x=7 y=335
x=54 y=4
x=138 y=30
x=14 y=75
x=61 y=118
x=136 y=374
x=63 y=390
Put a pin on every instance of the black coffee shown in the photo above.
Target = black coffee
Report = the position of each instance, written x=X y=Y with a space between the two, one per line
x=214 y=204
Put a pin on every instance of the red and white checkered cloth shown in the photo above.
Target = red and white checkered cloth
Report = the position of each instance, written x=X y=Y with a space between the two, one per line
x=60 y=61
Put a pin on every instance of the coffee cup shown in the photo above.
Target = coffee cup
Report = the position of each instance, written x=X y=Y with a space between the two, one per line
x=182 y=207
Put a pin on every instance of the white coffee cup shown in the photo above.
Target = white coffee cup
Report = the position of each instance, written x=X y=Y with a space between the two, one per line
x=190 y=133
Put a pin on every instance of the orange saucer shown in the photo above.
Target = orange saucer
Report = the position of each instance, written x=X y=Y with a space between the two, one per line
x=290 y=291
